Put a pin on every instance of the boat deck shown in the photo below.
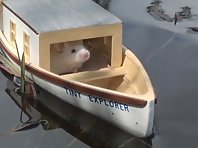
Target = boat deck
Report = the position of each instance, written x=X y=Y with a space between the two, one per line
x=94 y=75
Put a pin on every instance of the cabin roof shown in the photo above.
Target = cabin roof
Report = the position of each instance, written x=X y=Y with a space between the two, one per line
x=53 y=15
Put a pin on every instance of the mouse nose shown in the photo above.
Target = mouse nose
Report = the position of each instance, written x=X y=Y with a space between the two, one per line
x=86 y=55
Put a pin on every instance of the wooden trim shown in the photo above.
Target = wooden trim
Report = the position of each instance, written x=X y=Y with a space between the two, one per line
x=86 y=90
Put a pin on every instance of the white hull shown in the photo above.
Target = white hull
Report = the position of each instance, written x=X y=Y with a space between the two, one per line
x=137 y=121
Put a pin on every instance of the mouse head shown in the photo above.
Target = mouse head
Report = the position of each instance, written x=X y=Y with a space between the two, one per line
x=76 y=51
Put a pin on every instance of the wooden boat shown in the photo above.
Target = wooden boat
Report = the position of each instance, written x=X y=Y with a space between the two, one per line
x=121 y=93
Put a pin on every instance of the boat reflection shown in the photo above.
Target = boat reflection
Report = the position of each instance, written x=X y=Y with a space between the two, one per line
x=183 y=14
x=158 y=12
x=51 y=113
x=192 y=30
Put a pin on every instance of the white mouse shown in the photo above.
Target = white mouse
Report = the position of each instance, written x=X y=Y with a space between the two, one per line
x=68 y=57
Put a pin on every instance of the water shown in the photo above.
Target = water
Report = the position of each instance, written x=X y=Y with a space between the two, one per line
x=169 y=54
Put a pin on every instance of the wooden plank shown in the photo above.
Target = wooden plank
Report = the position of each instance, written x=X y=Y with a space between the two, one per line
x=94 y=75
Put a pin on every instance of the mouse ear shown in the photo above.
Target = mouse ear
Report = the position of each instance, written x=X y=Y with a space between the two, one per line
x=58 y=47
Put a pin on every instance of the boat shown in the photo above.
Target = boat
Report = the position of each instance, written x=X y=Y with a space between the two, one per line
x=112 y=84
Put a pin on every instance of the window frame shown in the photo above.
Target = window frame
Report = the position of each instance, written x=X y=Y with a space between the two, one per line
x=26 y=45
x=12 y=32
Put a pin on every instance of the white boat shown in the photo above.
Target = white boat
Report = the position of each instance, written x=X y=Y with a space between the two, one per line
x=112 y=84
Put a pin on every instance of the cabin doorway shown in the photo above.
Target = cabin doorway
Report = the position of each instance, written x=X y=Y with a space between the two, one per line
x=100 y=55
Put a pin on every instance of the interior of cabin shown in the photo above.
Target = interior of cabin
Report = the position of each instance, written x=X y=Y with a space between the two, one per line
x=100 y=54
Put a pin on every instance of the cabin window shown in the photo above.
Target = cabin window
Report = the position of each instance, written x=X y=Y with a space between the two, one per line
x=12 y=32
x=26 y=45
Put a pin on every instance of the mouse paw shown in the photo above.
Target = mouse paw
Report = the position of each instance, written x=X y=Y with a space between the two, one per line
x=110 y=67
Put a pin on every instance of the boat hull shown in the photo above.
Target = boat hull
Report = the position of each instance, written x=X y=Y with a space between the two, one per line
x=134 y=119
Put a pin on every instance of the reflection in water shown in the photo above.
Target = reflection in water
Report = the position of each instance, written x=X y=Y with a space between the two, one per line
x=52 y=113
x=157 y=11
x=184 y=14
x=192 y=29
x=33 y=117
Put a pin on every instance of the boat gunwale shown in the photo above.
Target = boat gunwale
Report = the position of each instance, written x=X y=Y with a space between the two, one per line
x=131 y=101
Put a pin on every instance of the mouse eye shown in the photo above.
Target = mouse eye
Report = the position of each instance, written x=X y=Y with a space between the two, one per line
x=73 y=50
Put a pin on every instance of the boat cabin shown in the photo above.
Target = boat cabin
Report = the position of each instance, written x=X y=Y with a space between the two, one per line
x=37 y=26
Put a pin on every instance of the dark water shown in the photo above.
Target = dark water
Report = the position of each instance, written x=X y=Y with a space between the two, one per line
x=169 y=54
